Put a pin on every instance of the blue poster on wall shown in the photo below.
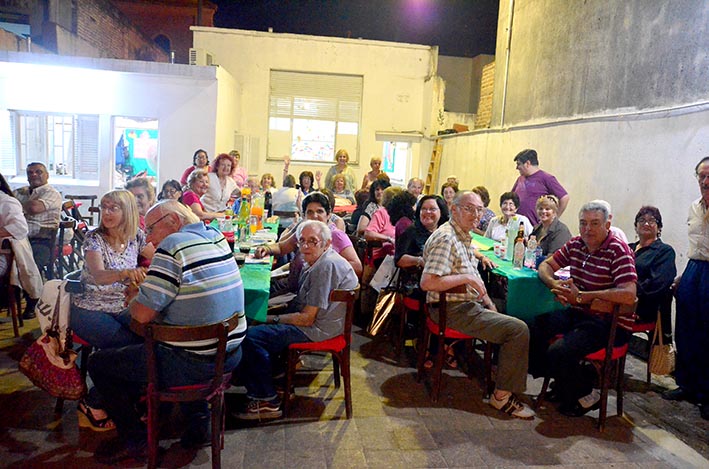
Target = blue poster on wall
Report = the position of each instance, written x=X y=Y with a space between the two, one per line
x=142 y=145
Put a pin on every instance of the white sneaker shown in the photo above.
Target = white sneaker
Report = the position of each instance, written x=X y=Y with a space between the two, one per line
x=511 y=405
x=590 y=400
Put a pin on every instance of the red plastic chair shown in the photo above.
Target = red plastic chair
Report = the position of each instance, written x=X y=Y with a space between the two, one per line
x=609 y=362
x=443 y=332
x=338 y=347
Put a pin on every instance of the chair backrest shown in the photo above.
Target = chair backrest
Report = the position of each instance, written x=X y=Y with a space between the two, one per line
x=443 y=306
x=154 y=333
x=618 y=311
x=284 y=213
x=8 y=256
x=348 y=297
x=360 y=246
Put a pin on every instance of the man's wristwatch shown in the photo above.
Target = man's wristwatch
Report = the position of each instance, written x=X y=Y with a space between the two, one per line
x=578 y=298
x=276 y=319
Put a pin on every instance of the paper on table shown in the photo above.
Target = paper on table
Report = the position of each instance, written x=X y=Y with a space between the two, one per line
x=281 y=299
x=252 y=260
x=480 y=246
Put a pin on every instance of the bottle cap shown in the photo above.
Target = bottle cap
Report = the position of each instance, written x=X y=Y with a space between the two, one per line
x=245 y=191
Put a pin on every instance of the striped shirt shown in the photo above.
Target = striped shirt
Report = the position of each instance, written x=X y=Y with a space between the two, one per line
x=448 y=251
x=609 y=266
x=194 y=280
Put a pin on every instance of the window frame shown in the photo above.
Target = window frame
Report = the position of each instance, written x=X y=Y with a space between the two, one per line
x=309 y=97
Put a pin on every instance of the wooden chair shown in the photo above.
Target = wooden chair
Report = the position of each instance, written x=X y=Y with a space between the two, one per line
x=338 y=347
x=609 y=362
x=212 y=391
x=443 y=332
x=408 y=306
x=11 y=293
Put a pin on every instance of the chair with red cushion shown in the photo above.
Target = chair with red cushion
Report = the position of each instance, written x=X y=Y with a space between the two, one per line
x=212 y=391
x=338 y=347
x=442 y=332
x=609 y=362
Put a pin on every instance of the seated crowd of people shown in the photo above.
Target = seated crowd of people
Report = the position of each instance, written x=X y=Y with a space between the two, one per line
x=157 y=260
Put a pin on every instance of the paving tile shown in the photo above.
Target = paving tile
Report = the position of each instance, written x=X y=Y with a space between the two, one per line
x=424 y=458
x=463 y=455
x=341 y=458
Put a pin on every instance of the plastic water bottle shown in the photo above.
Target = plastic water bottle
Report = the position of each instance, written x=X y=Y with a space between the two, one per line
x=538 y=257
x=529 y=255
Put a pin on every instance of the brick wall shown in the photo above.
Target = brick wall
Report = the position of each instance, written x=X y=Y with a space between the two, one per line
x=482 y=120
x=103 y=26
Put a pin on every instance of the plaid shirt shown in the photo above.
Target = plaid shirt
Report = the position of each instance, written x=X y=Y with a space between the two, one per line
x=448 y=252
x=47 y=220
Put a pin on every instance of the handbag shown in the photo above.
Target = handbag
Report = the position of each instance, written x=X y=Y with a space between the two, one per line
x=386 y=274
x=386 y=301
x=50 y=362
x=662 y=356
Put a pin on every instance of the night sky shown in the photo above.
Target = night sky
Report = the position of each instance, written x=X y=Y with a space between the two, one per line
x=463 y=28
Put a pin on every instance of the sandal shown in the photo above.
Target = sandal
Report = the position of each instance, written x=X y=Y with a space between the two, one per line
x=450 y=360
x=87 y=419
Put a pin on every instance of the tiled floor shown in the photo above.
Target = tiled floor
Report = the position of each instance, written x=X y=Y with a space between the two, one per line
x=394 y=425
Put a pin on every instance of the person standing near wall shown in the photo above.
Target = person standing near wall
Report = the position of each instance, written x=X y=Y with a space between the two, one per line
x=533 y=183
x=692 y=320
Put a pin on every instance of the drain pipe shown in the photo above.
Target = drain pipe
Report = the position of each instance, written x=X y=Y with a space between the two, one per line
x=507 y=62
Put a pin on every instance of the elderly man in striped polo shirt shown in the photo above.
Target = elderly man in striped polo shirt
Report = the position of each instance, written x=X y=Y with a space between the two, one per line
x=193 y=280
x=602 y=266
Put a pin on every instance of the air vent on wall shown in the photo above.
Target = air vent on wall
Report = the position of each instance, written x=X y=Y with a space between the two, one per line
x=201 y=57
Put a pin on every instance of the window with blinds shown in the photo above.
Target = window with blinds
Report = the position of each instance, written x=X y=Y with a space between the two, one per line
x=312 y=115
x=66 y=143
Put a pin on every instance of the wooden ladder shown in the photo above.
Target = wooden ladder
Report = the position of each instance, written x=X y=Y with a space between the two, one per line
x=433 y=167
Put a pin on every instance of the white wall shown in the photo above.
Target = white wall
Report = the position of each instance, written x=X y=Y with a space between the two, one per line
x=186 y=100
x=393 y=92
x=628 y=161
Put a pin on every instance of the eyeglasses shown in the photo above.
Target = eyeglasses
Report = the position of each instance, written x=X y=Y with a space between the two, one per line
x=149 y=228
x=646 y=221
x=306 y=243
x=472 y=208
x=112 y=209
x=702 y=177
x=171 y=191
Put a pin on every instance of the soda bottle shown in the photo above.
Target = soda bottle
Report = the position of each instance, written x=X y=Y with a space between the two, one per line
x=518 y=255
x=268 y=205
x=244 y=214
x=257 y=202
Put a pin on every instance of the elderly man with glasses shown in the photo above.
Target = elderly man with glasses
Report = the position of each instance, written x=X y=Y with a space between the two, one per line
x=313 y=318
x=193 y=280
x=451 y=261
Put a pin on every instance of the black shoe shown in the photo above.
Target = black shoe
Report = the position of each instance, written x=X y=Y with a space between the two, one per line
x=29 y=314
x=117 y=450
x=704 y=411
x=679 y=394
x=30 y=304
x=577 y=410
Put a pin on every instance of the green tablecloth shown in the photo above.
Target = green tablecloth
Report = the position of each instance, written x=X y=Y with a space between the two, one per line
x=527 y=296
x=257 y=284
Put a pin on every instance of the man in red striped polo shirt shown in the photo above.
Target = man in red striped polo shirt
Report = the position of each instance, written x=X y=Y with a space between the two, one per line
x=602 y=266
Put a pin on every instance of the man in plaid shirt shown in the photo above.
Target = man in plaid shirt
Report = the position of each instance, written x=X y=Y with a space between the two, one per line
x=451 y=261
